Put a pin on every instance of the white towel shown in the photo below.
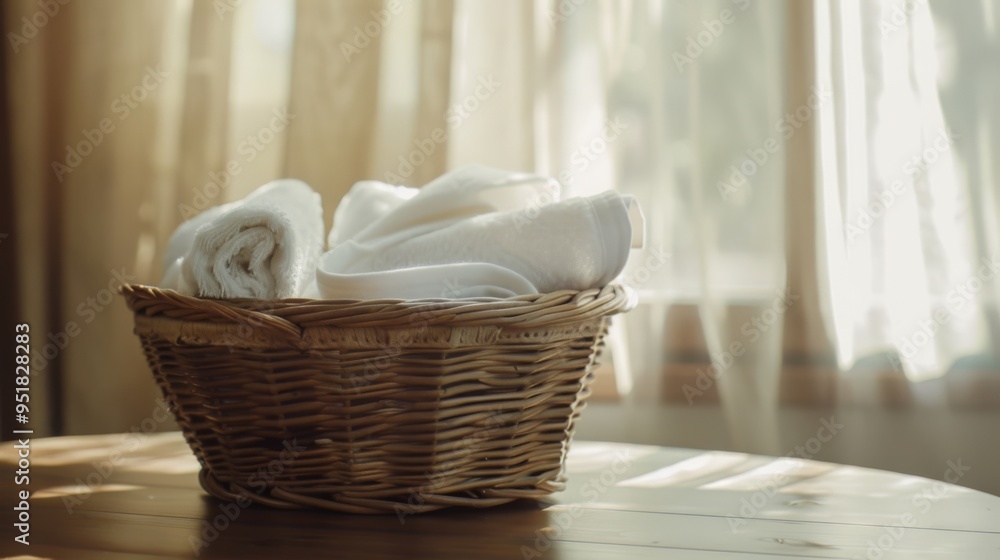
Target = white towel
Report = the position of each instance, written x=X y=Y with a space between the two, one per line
x=468 y=191
x=265 y=246
x=366 y=202
x=480 y=232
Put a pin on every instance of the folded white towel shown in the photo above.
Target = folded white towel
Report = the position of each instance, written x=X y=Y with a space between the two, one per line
x=468 y=191
x=366 y=202
x=265 y=246
x=480 y=232
x=450 y=281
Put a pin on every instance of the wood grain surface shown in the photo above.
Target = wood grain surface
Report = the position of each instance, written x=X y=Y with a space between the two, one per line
x=137 y=496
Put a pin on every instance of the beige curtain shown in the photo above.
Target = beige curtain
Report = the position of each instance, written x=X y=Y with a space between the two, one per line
x=88 y=89
x=126 y=117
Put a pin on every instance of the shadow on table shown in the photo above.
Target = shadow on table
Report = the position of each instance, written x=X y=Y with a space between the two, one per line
x=516 y=530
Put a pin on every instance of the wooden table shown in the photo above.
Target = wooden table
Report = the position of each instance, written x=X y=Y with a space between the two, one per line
x=623 y=501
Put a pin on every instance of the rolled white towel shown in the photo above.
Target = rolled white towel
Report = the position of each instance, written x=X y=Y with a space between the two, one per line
x=487 y=233
x=265 y=246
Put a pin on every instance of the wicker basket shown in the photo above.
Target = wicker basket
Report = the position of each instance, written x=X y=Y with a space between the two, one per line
x=376 y=406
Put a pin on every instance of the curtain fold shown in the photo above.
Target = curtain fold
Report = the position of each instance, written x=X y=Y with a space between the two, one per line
x=26 y=136
x=899 y=224
x=204 y=113
x=433 y=87
x=335 y=72
x=10 y=314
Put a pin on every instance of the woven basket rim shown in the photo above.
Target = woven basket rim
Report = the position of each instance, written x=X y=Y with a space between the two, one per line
x=287 y=317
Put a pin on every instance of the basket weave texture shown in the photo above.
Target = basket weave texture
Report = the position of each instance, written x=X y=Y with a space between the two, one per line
x=376 y=406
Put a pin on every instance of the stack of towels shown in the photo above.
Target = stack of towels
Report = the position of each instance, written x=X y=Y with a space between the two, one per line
x=473 y=232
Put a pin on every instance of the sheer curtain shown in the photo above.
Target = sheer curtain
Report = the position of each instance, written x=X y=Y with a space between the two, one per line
x=797 y=251
x=822 y=174
x=909 y=203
